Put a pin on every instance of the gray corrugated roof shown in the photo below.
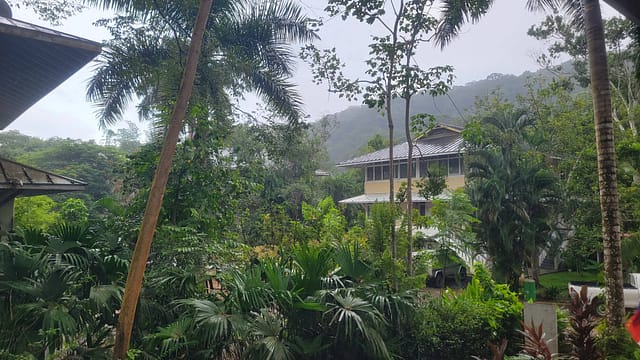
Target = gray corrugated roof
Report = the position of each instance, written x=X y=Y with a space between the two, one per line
x=428 y=147
x=33 y=61
x=22 y=180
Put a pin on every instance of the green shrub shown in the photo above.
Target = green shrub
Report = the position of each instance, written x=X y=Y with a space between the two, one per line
x=413 y=282
x=616 y=343
x=454 y=329
x=552 y=292
x=459 y=326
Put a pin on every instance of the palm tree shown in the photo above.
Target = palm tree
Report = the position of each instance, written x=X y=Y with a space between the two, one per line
x=247 y=49
x=586 y=12
x=133 y=285
x=512 y=190
x=233 y=63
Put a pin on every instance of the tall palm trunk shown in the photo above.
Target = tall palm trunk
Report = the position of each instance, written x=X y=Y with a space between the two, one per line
x=158 y=187
x=599 y=72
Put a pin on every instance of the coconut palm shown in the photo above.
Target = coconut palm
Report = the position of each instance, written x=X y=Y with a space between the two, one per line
x=587 y=13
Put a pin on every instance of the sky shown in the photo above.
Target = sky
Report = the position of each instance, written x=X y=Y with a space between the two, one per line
x=497 y=44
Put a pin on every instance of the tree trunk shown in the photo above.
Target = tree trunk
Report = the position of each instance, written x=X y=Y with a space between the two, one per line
x=407 y=131
x=158 y=187
x=535 y=264
x=603 y=118
x=388 y=99
x=394 y=245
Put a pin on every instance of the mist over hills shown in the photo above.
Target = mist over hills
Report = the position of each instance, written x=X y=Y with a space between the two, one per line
x=355 y=125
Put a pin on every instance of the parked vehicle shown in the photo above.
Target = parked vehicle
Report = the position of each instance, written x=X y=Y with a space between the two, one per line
x=439 y=276
x=631 y=293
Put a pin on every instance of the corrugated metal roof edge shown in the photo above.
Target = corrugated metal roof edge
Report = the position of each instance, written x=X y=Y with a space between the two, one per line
x=357 y=164
x=71 y=180
x=454 y=128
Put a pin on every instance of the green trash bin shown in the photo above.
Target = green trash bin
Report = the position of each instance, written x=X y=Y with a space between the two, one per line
x=529 y=290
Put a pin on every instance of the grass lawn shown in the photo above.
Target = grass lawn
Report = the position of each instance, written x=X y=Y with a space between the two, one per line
x=554 y=286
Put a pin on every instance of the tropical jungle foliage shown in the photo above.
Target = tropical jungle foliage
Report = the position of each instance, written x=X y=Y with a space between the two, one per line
x=253 y=256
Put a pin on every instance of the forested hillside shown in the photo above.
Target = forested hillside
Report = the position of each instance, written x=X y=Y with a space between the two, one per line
x=355 y=125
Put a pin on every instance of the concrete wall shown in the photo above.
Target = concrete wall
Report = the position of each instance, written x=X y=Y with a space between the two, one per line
x=545 y=314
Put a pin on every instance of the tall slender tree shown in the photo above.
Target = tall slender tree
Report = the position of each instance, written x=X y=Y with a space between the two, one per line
x=393 y=74
x=585 y=12
x=158 y=187
x=246 y=49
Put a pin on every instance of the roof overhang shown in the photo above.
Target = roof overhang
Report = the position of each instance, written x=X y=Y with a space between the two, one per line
x=367 y=199
x=442 y=140
x=628 y=8
x=22 y=180
x=33 y=61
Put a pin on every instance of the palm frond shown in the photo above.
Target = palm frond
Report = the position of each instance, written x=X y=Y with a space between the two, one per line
x=350 y=262
x=128 y=6
x=456 y=13
x=106 y=297
x=123 y=71
x=354 y=318
x=543 y=5
x=277 y=92
x=268 y=328
x=216 y=325
x=173 y=339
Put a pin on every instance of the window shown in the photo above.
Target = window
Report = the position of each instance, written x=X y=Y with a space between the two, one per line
x=423 y=168
x=378 y=173
x=454 y=168
x=370 y=173
x=443 y=164
x=385 y=172
x=403 y=171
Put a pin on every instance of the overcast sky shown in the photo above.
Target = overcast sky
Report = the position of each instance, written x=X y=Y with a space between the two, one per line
x=497 y=44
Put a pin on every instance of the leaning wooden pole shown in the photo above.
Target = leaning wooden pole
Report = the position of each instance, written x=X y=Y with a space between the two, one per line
x=158 y=187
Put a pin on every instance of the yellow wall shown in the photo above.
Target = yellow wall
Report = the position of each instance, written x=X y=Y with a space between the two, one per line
x=455 y=182
x=381 y=187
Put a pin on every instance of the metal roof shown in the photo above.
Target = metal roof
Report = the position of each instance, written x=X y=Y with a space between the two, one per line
x=33 y=61
x=22 y=180
x=443 y=140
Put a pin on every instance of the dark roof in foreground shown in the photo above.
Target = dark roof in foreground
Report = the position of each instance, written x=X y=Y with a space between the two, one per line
x=628 y=8
x=442 y=140
x=33 y=61
x=22 y=180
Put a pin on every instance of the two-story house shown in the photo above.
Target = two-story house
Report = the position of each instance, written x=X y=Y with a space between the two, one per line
x=441 y=146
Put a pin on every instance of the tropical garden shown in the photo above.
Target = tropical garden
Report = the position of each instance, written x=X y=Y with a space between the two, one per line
x=218 y=239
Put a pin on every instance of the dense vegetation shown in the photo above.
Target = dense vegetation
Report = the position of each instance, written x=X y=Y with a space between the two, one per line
x=252 y=258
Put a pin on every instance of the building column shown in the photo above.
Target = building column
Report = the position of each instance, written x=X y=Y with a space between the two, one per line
x=6 y=216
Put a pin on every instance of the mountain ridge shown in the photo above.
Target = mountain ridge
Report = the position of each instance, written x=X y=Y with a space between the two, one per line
x=355 y=125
